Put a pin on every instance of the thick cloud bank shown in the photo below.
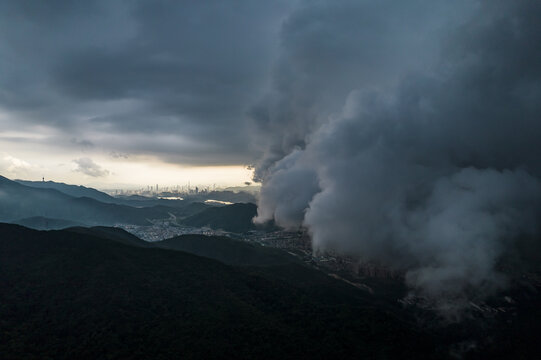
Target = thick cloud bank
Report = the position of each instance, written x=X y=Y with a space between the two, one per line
x=410 y=142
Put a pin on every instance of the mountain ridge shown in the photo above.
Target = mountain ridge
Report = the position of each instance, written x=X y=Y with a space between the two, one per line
x=18 y=201
x=233 y=218
x=65 y=294
x=71 y=190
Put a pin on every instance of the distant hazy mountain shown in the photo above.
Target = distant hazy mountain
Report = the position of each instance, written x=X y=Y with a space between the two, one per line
x=227 y=250
x=133 y=200
x=18 y=201
x=72 y=190
x=67 y=295
x=234 y=218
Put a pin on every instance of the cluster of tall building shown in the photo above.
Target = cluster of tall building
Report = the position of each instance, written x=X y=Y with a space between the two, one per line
x=176 y=190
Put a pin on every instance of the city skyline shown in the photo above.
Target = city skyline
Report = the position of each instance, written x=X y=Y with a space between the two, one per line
x=127 y=174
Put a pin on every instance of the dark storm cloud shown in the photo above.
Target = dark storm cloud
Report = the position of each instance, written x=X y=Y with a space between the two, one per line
x=187 y=68
x=436 y=172
x=329 y=48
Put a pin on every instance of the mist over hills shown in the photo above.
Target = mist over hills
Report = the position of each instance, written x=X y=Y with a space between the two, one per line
x=18 y=201
x=407 y=133
x=72 y=190
x=235 y=195
x=133 y=200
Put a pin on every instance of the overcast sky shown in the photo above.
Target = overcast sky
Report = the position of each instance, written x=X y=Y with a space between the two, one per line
x=169 y=91
x=133 y=91
x=137 y=92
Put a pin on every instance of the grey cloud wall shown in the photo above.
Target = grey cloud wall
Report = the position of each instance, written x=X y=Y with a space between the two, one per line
x=436 y=171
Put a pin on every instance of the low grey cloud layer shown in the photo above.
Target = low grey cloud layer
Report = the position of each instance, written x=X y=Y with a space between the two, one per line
x=435 y=169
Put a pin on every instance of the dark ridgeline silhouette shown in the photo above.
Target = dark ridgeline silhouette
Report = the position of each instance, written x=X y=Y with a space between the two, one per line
x=93 y=293
x=233 y=218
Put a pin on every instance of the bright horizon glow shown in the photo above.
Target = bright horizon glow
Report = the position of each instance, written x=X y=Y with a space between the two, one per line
x=116 y=173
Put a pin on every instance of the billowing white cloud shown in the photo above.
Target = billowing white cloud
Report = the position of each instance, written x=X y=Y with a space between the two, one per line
x=15 y=167
x=88 y=167
x=423 y=157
